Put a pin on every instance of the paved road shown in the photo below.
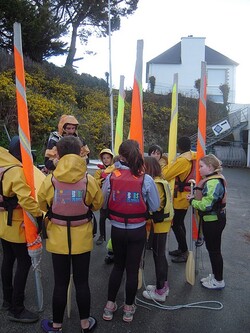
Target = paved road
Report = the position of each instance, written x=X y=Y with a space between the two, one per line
x=233 y=318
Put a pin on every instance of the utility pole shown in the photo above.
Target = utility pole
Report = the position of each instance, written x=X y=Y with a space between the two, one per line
x=110 y=84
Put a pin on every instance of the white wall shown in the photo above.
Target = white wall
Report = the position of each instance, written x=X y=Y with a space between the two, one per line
x=193 y=52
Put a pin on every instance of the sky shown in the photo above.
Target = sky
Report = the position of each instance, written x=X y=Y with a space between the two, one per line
x=161 y=24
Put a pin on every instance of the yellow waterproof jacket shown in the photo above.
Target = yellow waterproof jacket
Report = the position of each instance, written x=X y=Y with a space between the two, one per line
x=165 y=226
x=163 y=161
x=51 y=151
x=180 y=167
x=98 y=173
x=14 y=183
x=70 y=169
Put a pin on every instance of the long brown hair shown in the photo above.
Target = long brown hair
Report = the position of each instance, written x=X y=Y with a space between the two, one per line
x=130 y=150
x=152 y=166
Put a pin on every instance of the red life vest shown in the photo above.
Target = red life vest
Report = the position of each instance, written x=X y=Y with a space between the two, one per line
x=69 y=207
x=184 y=185
x=7 y=203
x=126 y=203
x=219 y=206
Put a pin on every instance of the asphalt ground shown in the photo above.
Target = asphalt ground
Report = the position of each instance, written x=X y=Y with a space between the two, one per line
x=175 y=317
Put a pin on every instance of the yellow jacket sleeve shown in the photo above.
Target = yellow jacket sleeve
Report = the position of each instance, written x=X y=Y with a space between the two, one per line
x=94 y=196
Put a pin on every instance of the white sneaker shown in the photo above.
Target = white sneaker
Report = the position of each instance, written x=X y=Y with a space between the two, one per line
x=153 y=295
x=208 y=278
x=153 y=286
x=214 y=284
x=150 y=287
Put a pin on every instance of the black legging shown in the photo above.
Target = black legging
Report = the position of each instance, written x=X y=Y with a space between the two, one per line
x=212 y=232
x=13 y=293
x=179 y=229
x=160 y=260
x=127 y=247
x=80 y=270
x=102 y=220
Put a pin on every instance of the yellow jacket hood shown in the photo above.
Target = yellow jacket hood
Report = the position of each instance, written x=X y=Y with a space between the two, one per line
x=6 y=159
x=73 y=163
x=189 y=155
x=66 y=119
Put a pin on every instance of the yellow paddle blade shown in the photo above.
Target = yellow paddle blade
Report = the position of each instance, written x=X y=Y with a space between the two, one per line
x=139 y=279
x=190 y=268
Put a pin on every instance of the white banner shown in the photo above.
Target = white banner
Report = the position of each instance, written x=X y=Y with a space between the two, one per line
x=221 y=127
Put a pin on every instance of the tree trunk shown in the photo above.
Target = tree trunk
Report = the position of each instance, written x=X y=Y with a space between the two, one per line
x=72 y=48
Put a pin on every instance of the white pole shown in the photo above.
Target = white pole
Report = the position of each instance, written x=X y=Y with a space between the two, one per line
x=110 y=85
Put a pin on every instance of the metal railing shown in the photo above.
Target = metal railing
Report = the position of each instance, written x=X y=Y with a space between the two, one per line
x=237 y=120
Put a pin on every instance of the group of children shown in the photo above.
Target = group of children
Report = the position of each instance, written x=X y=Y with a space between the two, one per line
x=133 y=193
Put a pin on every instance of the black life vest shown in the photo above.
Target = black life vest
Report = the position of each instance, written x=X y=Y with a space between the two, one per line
x=184 y=185
x=167 y=212
x=7 y=203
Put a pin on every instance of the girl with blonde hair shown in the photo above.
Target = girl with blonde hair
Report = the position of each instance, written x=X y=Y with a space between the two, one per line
x=210 y=201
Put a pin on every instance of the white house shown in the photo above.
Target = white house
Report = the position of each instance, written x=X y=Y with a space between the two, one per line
x=185 y=59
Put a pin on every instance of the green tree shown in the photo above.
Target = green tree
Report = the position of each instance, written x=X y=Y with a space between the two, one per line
x=41 y=29
x=152 y=83
x=53 y=91
x=224 y=88
x=197 y=85
x=91 y=17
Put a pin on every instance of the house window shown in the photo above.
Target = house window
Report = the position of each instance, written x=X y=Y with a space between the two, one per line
x=215 y=98
x=216 y=77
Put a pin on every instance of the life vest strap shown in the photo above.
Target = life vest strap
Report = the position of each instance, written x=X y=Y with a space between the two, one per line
x=71 y=218
x=128 y=216
x=9 y=204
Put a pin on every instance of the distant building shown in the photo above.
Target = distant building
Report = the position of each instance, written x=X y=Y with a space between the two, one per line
x=185 y=59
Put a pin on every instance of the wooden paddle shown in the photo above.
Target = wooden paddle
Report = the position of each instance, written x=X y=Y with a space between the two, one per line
x=141 y=268
x=190 y=265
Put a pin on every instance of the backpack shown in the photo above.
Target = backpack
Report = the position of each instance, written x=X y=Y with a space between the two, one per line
x=167 y=212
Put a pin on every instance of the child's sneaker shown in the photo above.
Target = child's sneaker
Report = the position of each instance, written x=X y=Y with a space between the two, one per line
x=108 y=312
x=109 y=259
x=47 y=326
x=154 y=294
x=128 y=312
x=5 y=306
x=25 y=316
x=92 y=325
x=100 y=240
x=207 y=279
x=151 y=287
x=214 y=284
